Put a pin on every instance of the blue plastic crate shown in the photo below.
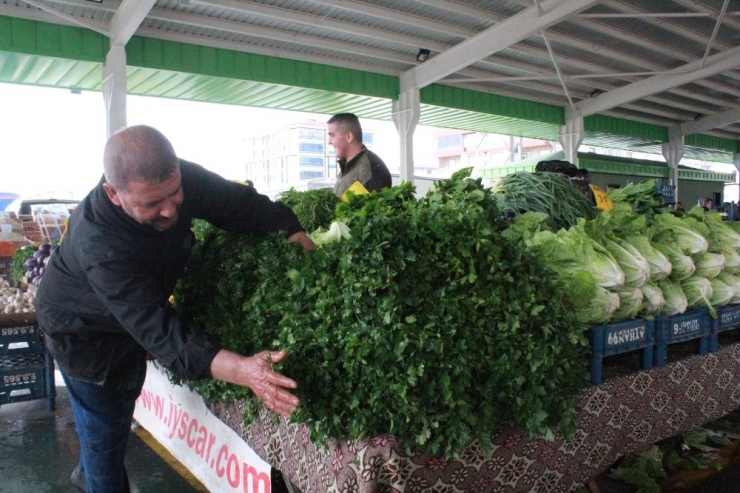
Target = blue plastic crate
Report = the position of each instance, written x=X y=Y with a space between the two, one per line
x=19 y=334
x=728 y=318
x=620 y=337
x=694 y=324
x=22 y=377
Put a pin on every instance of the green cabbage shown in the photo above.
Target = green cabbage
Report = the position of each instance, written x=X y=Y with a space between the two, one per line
x=635 y=267
x=698 y=291
x=630 y=302
x=732 y=259
x=675 y=299
x=667 y=226
x=718 y=233
x=652 y=300
x=571 y=251
x=524 y=226
x=622 y=219
x=734 y=282
x=682 y=265
x=722 y=293
x=709 y=264
x=660 y=267
x=337 y=231
x=600 y=308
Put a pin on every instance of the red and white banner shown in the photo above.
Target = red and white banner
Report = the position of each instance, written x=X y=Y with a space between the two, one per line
x=213 y=452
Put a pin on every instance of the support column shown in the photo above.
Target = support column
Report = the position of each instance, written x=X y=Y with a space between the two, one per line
x=114 y=89
x=405 y=117
x=736 y=162
x=673 y=152
x=570 y=137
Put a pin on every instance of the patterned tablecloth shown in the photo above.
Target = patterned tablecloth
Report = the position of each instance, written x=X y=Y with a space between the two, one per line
x=621 y=415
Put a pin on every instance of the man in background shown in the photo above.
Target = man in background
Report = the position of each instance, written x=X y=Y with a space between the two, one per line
x=356 y=163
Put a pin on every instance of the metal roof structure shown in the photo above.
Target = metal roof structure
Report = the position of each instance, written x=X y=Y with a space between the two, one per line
x=637 y=71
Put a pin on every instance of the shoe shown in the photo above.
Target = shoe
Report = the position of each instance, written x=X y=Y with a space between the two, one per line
x=78 y=480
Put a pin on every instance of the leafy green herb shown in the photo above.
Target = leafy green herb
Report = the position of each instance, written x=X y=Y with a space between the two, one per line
x=18 y=267
x=642 y=470
x=314 y=208
x=642 y=196
x=426 y=323
x=551 y=193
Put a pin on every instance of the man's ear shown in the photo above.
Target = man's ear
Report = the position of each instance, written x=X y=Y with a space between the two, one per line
x=112 y=194
x=350 y=136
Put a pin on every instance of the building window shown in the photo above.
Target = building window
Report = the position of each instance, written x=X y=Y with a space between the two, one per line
x=311 y=133
x=450 y=141
x=306 y=147
x=312 y=161
x=310 y=175
x=367 y=138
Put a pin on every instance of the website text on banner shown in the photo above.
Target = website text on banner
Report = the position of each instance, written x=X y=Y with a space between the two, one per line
x=212 y=452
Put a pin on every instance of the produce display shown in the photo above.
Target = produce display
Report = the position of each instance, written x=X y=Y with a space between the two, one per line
x=639 y=260
x=550 y=193
x=418 y=319
x=30 y=262
x=441 y=318
x=314 y=208
x=14 y=300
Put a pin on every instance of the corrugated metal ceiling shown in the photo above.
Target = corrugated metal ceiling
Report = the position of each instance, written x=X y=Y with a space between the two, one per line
x=585 y=55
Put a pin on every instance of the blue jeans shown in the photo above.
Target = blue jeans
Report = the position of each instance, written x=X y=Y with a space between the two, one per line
x=103 y=417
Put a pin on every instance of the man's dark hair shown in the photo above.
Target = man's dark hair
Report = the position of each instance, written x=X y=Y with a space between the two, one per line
x=138 y=153
x=348 y=122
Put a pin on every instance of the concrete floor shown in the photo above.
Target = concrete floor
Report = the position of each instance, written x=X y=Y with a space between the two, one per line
x=39 y=449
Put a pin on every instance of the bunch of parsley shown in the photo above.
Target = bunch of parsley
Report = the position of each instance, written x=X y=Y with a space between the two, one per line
x=427 y=324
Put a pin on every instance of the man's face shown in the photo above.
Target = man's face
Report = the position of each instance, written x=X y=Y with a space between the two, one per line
x=153 y=204
x=340 y=141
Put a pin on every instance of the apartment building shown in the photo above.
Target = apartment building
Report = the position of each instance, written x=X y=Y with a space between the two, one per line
x=292 y=156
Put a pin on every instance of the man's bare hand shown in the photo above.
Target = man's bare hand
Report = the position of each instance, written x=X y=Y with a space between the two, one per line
x=302 y=238
x=256 y=373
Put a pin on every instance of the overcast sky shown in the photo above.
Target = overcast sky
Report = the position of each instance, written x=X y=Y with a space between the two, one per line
x=51 y=141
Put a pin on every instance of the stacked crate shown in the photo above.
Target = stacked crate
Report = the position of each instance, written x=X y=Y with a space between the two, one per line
x=728 y=318
x=619 y=338
x=654 y=338
x=693 y=325
x=26 y=367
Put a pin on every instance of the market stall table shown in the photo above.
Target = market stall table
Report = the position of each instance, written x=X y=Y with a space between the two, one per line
x=621 y=415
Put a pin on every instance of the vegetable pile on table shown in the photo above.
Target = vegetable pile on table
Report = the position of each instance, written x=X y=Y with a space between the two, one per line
x=30 y=262
x=640 y=259
x=419 y=319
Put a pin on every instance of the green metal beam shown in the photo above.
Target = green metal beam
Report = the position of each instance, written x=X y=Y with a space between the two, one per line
x=38 y=53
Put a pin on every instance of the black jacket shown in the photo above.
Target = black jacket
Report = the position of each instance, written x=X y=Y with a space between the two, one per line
x=103 y=301
x=367 y=168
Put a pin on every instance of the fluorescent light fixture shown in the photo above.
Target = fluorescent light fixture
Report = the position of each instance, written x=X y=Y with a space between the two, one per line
x=422 y=55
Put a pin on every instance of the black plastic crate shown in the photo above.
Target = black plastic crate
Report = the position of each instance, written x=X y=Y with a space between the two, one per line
x=728 y=318
x=694 y=324
x=20 y=334
x=618 y=338
x=23 y=377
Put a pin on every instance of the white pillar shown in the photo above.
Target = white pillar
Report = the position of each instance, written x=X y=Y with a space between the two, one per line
x=736 y=162
x=570 y=137
x=405 y=116
x=114 y=89
x=673 y=152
